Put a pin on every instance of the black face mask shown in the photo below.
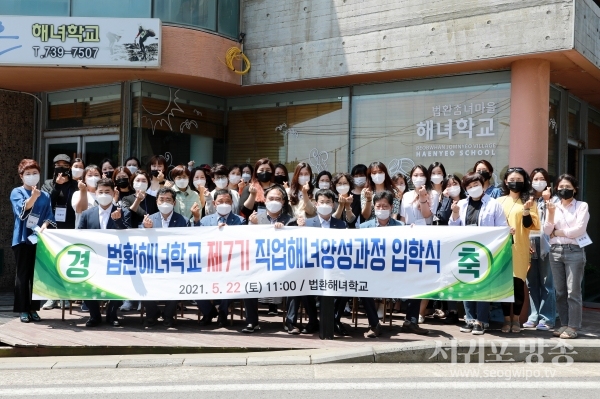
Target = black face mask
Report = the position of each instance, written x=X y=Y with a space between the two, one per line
x=515 y=186
x=565 y=193
x=486 y=175
x=155 y=173
x=280 y=179
x=264 y=177
x=109 y=173
x=64 y=171
x=122 y=183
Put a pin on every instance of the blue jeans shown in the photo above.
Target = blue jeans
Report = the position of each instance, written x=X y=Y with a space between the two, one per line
x=477 y=311
x=542 y=299
x=568 y=263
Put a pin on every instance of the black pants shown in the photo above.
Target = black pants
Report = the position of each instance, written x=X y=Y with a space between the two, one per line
x=338 y=307
x=152 y=309
x=310 y=304
x=371 y=311
x=251 y=310
x=412 y=310
x=111 y=310
x=519 y=298
x=25 y=258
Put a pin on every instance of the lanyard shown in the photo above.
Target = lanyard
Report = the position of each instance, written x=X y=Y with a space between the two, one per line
x=511 y=208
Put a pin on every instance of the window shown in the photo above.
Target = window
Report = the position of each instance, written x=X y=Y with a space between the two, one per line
x=111 y=8
x=593 y=129
x=96 y=106
x=178 y=124
x=35 y=7
x=291 y=128
x=410 y=123
x=202 y=13
x=229 y=17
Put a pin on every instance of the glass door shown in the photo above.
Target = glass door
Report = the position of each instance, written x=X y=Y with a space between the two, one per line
x=590 y=193
x=67 y=145
x=96 y=148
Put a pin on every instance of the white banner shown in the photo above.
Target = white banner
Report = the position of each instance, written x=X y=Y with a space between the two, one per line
x=448 y=263
x=90 y=42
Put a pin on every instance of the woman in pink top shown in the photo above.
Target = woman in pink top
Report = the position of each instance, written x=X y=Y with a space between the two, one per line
x=566 y=225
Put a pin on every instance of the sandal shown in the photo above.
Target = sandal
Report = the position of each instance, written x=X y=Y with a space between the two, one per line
x=569 y=333
x=506 y=327
x=558 y=332
x=515 y=327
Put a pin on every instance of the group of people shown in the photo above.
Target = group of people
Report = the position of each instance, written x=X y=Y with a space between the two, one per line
x=547 y=224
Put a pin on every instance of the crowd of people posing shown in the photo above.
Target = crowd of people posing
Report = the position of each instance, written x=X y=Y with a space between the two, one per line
x=547 y=224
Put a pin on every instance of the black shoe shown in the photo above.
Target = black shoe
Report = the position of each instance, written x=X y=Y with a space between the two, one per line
x=451 y=318
x=222 y=321
x=168 y=322
x=115 y=323
x=410 y=327
x=374 y=332
x=207 y=319
x=273 y=311
x=149 y=323
x=339 y=329
x=467 y=328
x=34 y=316
x=92 y=323
x=249 y=329
x=291 y=329
x=310 y=328
x=478 y=329
x=25 y=317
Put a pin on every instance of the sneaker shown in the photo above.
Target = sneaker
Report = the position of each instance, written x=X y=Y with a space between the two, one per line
x=421 y=319
x=380 y=310
x=50 y=304
x=529 y=324
x=249 y=329
x=347 y=310
x=467 y=328
x=126 y=307
x=374 y=332
x=451 y=318
x=439 y=314
x=478 y=329
x=542 y=326
x=84 y=307
x=410 y=327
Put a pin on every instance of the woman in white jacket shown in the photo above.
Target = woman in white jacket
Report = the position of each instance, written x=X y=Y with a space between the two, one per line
x=478 y=209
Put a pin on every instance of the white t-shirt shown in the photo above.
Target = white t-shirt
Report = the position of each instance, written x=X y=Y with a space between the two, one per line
x=409 y=209
x=91 y=197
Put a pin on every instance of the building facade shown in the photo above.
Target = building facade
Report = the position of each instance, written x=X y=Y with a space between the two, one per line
x=333 y=83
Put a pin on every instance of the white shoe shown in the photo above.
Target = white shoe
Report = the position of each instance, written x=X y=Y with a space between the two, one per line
x=380 y=310
x=50 y=304
x=421 y=319
x=126 y=307
x=139 y=306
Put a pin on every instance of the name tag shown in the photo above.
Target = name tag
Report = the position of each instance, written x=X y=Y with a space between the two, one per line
x=583 y=240
x=32 y=220
x=60 y=214
x=421 y=222
x=261 y=210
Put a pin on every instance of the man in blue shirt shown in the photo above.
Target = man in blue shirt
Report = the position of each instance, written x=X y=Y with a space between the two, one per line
x=383 y=201
x=223 y=217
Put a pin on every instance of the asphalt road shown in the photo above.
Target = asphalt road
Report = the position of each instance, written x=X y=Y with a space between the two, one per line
x=329 y=381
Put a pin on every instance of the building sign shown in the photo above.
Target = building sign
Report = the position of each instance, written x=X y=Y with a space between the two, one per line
x=89 y=42
x=455 y=126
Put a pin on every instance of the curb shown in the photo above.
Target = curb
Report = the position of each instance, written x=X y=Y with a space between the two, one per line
x=473 y=351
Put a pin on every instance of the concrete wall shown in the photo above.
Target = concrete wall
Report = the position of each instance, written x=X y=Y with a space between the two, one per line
x=587 y=30
x=307 y=39
x=16 y=143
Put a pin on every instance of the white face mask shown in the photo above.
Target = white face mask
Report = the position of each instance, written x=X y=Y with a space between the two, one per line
x=539 y=185
x=140 y=186
x=246 y=177
x=437 y=179
x=221 y=182
x=382 y=214
x=104 y=199
x=132 y=168
x=303 y=180
x=234 y=179
x=323 y=185
x=165 y=208
x=419 y=181
x=453 y=191
x=378 y=178
x=475 y=192
x=223 y=209
x=401 y=187
x=199 y=182
x=360 y=181
x=76 y=172
x=273 y=206
x=324 y=209
x=343 y=189
x=181 y=183
x=31 y=180
x=92 y=181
